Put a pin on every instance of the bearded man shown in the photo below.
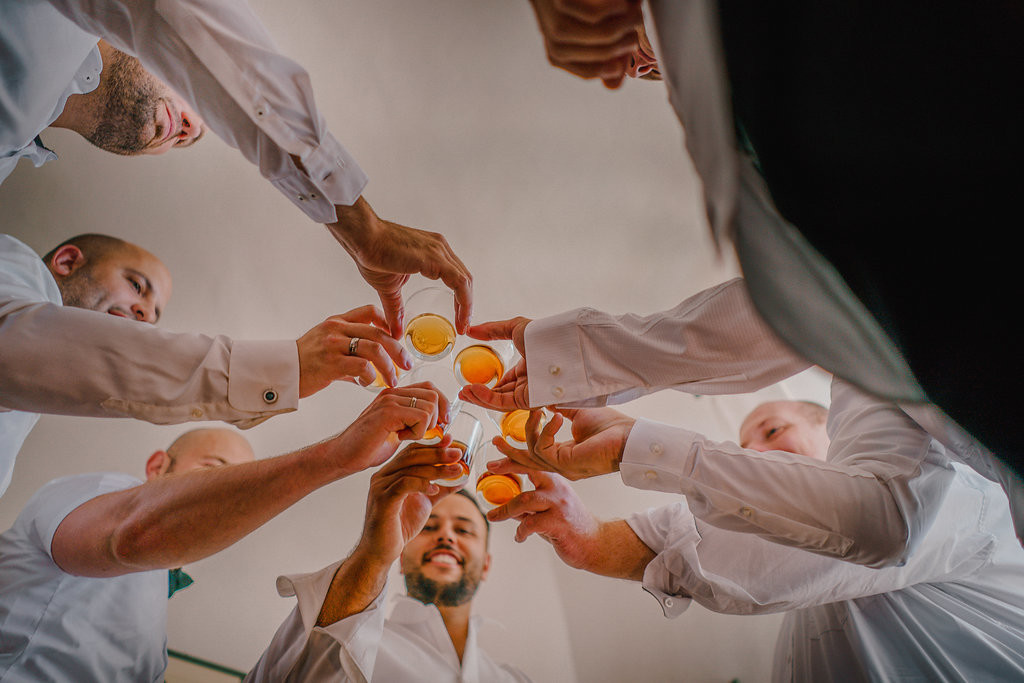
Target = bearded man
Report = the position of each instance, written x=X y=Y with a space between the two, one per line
x=338 y=631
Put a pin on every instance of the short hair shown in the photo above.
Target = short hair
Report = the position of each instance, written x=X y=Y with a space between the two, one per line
x=93 y=245
x=472 y=499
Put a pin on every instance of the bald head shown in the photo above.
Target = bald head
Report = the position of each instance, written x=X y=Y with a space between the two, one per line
x=791 y=426
x=109 y=275
x=198 y=449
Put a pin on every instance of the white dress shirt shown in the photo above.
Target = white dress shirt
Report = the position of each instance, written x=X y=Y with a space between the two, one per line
x=411 y=645
x=120 y=367
x=214 y=53
x=714 y=343
x=953 y=612
x=58 y=627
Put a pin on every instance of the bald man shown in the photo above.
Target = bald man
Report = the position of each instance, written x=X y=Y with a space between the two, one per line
x=58 y=356
x=953 y=611
x=83 y=570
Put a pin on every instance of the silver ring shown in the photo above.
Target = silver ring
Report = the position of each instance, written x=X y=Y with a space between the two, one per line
x=352 y=346
x=412 y=402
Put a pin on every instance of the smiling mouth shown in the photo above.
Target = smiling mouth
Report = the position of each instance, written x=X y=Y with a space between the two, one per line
x=171 y=128
x=443 y=558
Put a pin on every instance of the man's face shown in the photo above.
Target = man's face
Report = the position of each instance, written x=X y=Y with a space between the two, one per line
x=784 y=426
x=445 y=563
x=136 y=113
x=128 y=282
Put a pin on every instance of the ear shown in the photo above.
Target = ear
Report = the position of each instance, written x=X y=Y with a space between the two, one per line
x=487 y=567
x=157 y=465
x=66 y=260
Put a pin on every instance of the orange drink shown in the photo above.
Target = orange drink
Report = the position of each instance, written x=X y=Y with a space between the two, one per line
x=478 y=364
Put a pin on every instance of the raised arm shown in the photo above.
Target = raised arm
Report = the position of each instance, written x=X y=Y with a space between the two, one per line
x=712 y=343
x=398 y=505
x=178 y=518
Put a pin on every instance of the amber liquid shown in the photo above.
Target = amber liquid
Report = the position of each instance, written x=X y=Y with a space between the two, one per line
x=430 y=335
x=464 y=463
x=378 y=382
x=498 y=489
x=478 y=364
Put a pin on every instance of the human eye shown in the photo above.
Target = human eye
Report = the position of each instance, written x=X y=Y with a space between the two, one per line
x=136 y=285
x=465 y=531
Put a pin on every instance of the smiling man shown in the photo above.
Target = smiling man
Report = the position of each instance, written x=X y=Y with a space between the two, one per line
x=338 y=631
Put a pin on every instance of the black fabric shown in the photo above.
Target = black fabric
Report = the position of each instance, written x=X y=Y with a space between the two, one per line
x=890 y=135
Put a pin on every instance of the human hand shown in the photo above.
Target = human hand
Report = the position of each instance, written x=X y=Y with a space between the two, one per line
x=324 y=351
x=554 y=512
x=401 y=497
x=395 y=415
x=598 y=439
x=387 y=253
x=591 y=38
x=512 y=390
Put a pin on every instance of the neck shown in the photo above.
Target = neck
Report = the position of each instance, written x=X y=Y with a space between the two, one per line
x=456 y=621
x=77 y=115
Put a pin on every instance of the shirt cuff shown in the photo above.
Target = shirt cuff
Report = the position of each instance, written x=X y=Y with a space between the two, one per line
x=554 y=360
x=657 y=457
x=263 y=378
x=332 y=177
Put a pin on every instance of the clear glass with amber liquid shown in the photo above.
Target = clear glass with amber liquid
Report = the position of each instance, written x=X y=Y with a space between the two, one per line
x=512 y=426
x=478 y=364
x=430 y=333
x=466 y=432
x=497 y=489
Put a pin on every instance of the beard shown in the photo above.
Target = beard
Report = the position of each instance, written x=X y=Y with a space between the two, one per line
x=80 y=290
x=448 y=594
x=131 y=96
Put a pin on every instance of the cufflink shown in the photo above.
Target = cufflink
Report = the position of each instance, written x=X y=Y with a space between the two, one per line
x=270 y=397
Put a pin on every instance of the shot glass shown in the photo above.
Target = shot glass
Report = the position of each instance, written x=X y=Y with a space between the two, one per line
x=493 y=489
x=466 y=432
x=482 y=362
x=512 y=425
x=430 y=333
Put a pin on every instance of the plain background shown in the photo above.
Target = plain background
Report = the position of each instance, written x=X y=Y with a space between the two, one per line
x=555 y=192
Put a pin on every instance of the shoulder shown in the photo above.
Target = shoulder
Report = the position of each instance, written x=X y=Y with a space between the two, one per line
x=23 y=275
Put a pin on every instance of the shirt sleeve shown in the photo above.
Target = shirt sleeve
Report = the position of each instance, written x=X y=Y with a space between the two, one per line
x=712 y=343
x=98 y=365
x=741 y=573
x=302 y=651
x=48 y=507
x=870 y=503
x=220 y=58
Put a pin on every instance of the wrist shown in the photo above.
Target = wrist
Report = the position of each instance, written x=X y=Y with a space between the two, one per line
x=616 y=460
x=355 y=225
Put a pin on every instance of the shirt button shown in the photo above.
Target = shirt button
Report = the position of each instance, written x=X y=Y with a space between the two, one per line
x=270 y=396
x=668 y=602
x=746 y=512
x=301 y=197
x=657 y=449
x=261 y=112
x=312 y=195
x=554 y=369
x=197 y=413
x=650 y=474
x=558 y=392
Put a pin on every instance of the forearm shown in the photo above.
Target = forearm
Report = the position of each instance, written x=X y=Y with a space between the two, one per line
x=618 y=552
x=219 y=56
x=356 y=584
x=175 y=519
x=197 y=377
x=712 y=343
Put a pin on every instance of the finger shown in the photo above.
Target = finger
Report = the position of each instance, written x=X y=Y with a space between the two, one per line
x=394 y=308
x=528 y=502
x=463 y=288
x=520 y=456
x=383 y=351
x=444 y=406
x=593 y=11
x=495 y=329
x=617 y=47
x=407 y=418
x=368 y=314
x=533 y=524
x=485 y=397
x=417 y=455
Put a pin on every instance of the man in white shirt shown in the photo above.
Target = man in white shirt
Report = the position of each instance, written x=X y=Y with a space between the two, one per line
x=220 y=58
x=83 y=570
x=953 y=611
x=45 y=333
x=338 y=631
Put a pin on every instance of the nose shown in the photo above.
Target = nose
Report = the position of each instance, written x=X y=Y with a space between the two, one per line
x=191 y=126
x=144 y=313
x=445 y=533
